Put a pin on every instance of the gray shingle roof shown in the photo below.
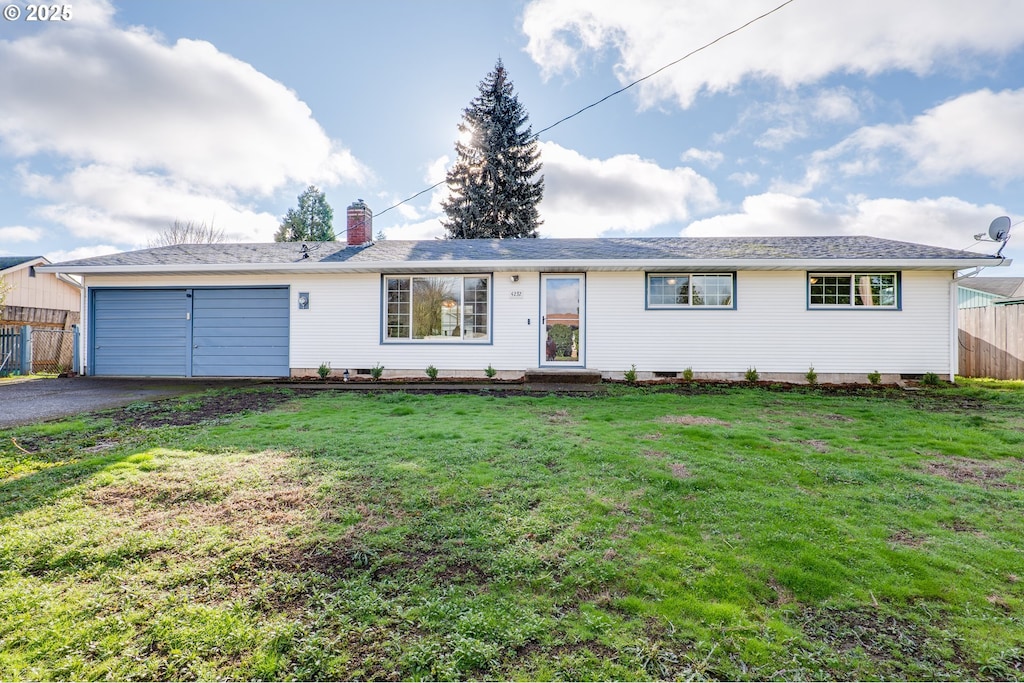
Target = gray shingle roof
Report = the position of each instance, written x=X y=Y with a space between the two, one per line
x=1005 y=287
x=523 y=251
x=11 y=261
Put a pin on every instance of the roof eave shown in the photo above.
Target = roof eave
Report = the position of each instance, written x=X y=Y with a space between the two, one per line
x=562 y=265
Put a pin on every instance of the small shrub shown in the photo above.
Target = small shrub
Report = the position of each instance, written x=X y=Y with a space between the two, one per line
x=875 y=377
x=688 y=374
x=811 y=376
x=751 y=375
x=930 y=379
x=490 y=372
x=630 y=374
x=431 y=372
x=376 y=371
x=324 y=370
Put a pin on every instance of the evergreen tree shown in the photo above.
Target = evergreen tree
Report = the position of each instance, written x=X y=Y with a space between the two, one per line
x=494 y=186
x=311 y=222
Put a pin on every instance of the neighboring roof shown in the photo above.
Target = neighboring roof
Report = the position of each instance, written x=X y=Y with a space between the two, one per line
x=533 y=254
x=8 y=262
x=1003 y=287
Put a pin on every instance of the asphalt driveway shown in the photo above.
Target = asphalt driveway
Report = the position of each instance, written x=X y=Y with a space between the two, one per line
x=38 y=400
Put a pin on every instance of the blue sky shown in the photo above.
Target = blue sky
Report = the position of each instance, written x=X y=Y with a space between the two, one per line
x=902 y=120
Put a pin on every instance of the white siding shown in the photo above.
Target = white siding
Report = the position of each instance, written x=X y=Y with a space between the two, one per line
x=771 y=328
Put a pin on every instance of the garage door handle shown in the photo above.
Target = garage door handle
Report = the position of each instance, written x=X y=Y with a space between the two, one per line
x=195 y=346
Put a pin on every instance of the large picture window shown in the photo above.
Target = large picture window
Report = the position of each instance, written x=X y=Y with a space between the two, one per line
x=853 y=290
x=679 y=290
x=441 y=308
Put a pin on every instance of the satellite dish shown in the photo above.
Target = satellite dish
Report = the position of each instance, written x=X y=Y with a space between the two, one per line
x=999 y=230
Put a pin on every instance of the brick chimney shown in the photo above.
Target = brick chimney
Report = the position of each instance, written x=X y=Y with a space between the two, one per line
x=360 y=224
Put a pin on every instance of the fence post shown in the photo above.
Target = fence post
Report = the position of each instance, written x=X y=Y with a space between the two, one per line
x=76 y=365
x=26 y=350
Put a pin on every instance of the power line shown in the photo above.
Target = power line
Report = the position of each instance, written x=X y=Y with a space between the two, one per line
x=670 y=64
x=619 y=91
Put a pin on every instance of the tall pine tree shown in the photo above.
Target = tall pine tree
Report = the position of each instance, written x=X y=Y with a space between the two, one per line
x=312 y=222
x=494 y=185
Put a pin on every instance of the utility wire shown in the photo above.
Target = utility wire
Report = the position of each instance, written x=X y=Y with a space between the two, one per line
x=617 y=92
x=670 y=64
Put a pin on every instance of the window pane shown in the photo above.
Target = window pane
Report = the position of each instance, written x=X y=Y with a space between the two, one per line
x=436 y=307
x=830 y=290
x=668 y=290
x=398 y=308
x=475 y=309
x=712 y=290
x=876 y=290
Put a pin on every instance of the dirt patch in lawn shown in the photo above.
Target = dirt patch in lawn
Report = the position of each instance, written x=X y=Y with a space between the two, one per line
x=196 y=409
x=680 y=471
x=254 y=495
x=970 y=471
x=693 y=421
x=558 y=417
x=895 y=643
x=907 y=538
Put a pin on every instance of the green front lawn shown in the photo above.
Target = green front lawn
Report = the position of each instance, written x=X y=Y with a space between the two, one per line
x=723 y=533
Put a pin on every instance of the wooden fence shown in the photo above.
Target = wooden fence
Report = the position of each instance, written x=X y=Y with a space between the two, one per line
x=38 y=317
x=992 y=341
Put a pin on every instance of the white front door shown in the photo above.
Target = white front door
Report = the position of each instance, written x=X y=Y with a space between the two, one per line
x=562 y=335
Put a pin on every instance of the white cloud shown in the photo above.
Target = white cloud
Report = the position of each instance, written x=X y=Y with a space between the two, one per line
x=979 y=132
x=423 y=230
x=837 y=105
x=585 y=197
x=153 y=131
x=942 y=221
x=820 y=38
x=124 y=98
x=707 y=157
x=745 y=179
x=19 y=233
x=796 y=117
x=82 y=252
x=111 y=203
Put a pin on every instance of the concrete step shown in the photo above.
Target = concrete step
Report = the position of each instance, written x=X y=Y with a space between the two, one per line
x=562 y=376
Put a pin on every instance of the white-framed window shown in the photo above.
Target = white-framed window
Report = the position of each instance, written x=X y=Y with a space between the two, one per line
x=853 y=290
x=437 y=308
x=691 y=290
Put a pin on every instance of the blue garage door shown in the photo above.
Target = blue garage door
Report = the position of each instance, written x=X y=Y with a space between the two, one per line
x=140 y=332
x=226 y=332
x=240 y=332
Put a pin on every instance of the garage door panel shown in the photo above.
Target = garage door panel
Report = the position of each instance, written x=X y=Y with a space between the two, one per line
x=140 y=332
x=240 y=332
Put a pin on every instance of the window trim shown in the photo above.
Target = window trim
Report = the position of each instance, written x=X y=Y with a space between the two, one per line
x=450 y=341
x=688 y=307
x=852 y=306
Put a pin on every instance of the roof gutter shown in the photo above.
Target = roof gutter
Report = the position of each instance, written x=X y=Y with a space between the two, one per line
x=542 y=265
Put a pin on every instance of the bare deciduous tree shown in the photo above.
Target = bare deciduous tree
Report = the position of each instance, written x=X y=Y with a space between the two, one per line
x=187 y=232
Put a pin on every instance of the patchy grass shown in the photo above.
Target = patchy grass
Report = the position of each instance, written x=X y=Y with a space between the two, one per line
x=690 y=532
